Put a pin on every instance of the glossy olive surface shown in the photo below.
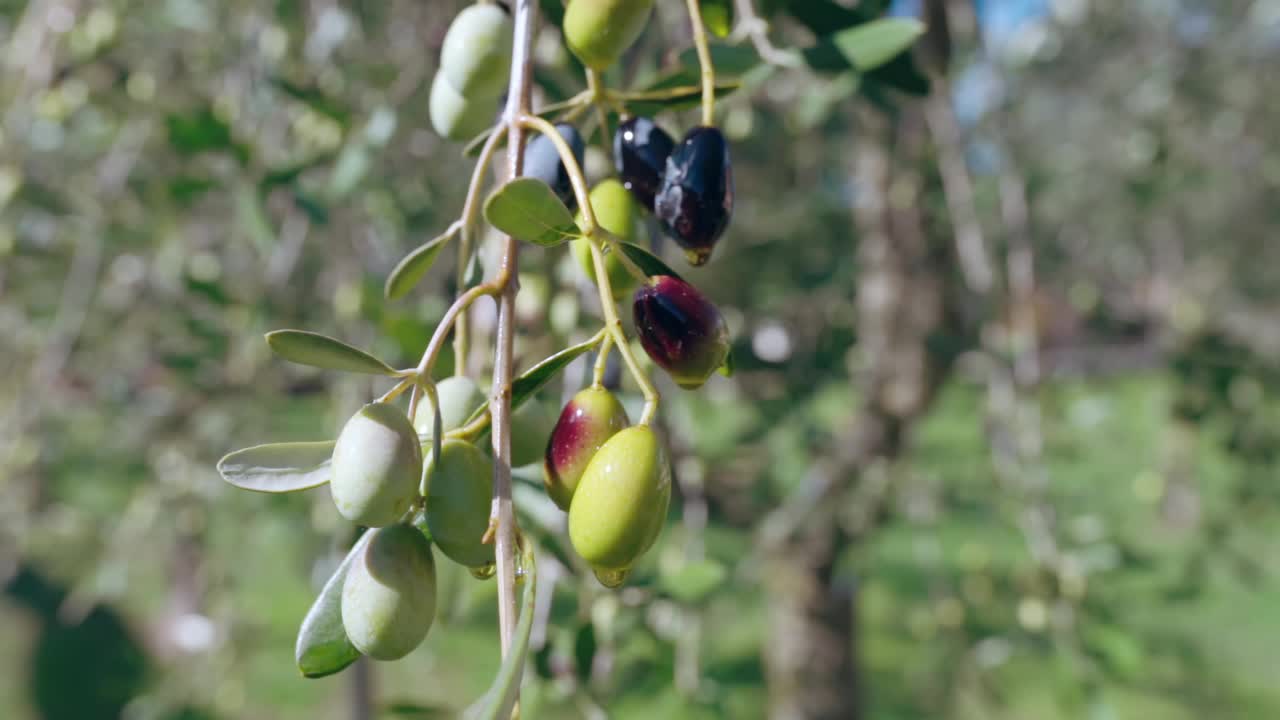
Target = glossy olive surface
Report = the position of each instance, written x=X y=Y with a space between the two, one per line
x=458 y=492
x=588 y=420
x=640 y=152
x=616 y=211
x=376 y=465
x=459 y=397
x=682 y=331
x=621 y=502
x=455 y=117
x=476 y=54
x=389 y=596
x=599 y=31
x=542 y=161
x=695 y=201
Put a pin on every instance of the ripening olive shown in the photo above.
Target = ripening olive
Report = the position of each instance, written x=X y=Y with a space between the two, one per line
x=458 y=491
x=599 y=31
x=456 y=117
x=376 y=466
x=695 y=201
x=588 y=420
x=680 y=329
x=640 y=152
x=459 y=397
x=389 y=596
x=542 y=161
x=621 y=502
x=476 y=55
x=616 y=211
x=531 y=424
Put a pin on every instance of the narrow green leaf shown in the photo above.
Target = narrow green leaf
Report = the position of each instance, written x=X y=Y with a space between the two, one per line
x=501 y=696
x=684 y=93
x=537 y=377
x=410 y=270
x=870 y=45
x=323 y=646
x=717 y=15
x=646 y=261
x=278 y=467
x=322 y=351
x=528 y=209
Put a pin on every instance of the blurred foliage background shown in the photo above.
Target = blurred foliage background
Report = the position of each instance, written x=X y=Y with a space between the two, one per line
x=1002 y=442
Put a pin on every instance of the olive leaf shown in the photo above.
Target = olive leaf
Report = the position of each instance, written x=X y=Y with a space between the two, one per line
x=717 y=15
x=537 y=377
x=323 y=646
x=870 y=45
x=501 y=696
x=649 y=263
x=528 y=209
x=278 y=467
x=410 y=270
x=322 y=351
x=678 y=90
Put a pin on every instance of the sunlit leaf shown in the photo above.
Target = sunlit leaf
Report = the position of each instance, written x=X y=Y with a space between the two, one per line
x=278 y=467
x=649 y=263
x=308 y=348
x=410 y=270
x=870 y=45
x=501 y=696
x=528 y=209
x=717 y=15
x=323 y=647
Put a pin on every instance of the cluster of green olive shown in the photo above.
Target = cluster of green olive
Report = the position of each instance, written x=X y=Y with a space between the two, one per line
x=475 y=64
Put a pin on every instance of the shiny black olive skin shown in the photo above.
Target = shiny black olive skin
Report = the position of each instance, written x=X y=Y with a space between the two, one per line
x=696 y=198
x=541 y=161
x=640 y=152
x=681 y=330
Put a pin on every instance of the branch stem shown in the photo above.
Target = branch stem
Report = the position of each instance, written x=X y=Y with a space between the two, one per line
x=614 y=327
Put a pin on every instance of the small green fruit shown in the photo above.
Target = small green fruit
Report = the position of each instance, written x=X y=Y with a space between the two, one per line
x=377 y=465
x=389 y=597
x=588 y=420
x=458 y=491
x=456 y=117
x=531 y=424
x=599 y=31
x=621 y=503
x=476 y=56
x=616 y=211
x=459 y=397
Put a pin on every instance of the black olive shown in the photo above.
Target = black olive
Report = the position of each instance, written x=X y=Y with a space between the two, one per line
x=541 y=161
x=640 y=152
x=695 y=200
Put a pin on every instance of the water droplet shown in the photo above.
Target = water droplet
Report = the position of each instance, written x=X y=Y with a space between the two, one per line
x=612 y=578
x=483 y=572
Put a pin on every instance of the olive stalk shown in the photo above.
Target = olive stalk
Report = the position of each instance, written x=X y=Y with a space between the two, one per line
x=602 y=361
x=599 y=98
x=704 y=61
x=461 y=303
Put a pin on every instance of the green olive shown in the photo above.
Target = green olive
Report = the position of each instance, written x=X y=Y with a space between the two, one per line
x=588 y=420
x=599 y=31
x=531 y=424
x=621 y=503
x=476 y=56
x=456 y=117
x=389 y=596
x=616 y=211
x=377 y=465
x=458 y=491
x=459 y=397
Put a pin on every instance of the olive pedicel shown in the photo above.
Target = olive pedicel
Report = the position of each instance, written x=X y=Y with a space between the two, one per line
x=588 y=420
x=376 y=466
x=640 y=152
x=389 y=596
x=476 y=55
x=457 y=491
x=695 y=201
x=616 y=211
x=682 y=331
x=599 y=31
x=542 y=161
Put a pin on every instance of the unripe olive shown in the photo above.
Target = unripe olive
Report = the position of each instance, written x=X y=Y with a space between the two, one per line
x=588 y=420
x=458 y=491
x=621 y=502
x=456 y=117
x=459 y=397
x=680 y=329
x=389 y=596
x=542 y=161
x=376 y=466
x=531 y=425
x=695 y=201
x=476 y=55
x=616 y=211
x=640 y=152
x=599 y=31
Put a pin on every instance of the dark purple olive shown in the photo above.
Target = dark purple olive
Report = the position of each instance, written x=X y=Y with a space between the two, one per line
x=541 y=161
x=680 y=329
x=640 y=152
x=696 y=197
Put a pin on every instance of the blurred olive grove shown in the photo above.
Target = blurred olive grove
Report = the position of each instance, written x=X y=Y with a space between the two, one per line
x=1002 y=441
